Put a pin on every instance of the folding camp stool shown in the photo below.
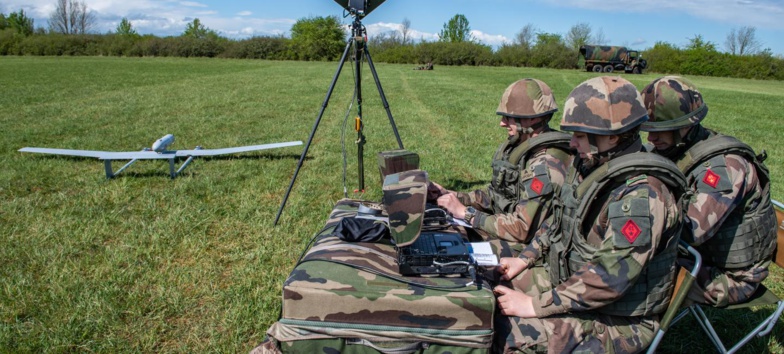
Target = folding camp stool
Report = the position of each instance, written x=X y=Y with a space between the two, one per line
x=683 y=283
x=763 y=296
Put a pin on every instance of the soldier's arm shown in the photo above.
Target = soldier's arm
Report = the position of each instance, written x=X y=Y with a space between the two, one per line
x=719 y=191
x=620 y=258
x=537 y=192
x=539 y=244
x=479 y=199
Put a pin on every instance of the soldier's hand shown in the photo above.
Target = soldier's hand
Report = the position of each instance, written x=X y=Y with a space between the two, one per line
x=514 y=303
x=453 y=205
x=510 y=267
x=434 y=190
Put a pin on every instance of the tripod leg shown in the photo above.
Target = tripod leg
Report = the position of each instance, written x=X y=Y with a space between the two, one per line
x=383 y=98
x=313 y=131
x=359 y=124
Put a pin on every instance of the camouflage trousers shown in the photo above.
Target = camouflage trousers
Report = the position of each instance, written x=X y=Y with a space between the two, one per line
x=715 y=287
x=573 y=332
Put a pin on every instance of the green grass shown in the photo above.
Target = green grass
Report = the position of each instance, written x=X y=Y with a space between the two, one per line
x=143 y=263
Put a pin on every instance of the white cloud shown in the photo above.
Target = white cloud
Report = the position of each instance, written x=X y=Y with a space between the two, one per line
x=159 y=17
x=380 y=27
x=192 y=4
x=375 y=29
x=759 y=13
x=639 y=42
x=493 y=40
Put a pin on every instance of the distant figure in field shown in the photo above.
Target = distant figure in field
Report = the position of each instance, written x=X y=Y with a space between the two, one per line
x=428 y=66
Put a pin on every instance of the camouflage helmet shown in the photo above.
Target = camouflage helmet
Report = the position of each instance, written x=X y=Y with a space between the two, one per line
x=672 y=103
x=605 y=105
x=527 y=99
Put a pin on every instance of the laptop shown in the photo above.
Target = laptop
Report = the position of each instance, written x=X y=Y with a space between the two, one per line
x=435 y=252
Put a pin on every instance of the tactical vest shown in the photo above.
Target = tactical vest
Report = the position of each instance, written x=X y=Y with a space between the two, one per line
x=506 y=187
x=570 y=250
x=746 y=236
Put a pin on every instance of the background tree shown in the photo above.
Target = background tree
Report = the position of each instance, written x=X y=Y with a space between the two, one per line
x=599 y=38
x=578 y=35
x=664 y=58
x=3 y=23
x=196 y=29
x=71 y=17
x=405 y=29
x=456 y=30
x=318 y=38
x=125 y=28
x=551 y=51
x=20 y=23
x=700 y=57
x=742 y=41
x=525 y=38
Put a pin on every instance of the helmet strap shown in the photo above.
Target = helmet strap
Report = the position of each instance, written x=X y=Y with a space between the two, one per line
x=537 y=127
x=632 y=144
x=682 y=143
x=515 y=139
x=588 y=164
x=695 y=134
x=594 y=145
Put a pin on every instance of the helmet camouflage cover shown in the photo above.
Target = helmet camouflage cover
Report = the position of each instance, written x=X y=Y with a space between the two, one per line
x=527 y=98
x=672 y=103
x=605 y=105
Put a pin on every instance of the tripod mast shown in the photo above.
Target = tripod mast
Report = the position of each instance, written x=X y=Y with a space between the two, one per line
x=360 y=48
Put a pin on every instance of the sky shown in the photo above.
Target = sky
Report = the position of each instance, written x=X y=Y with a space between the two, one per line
x=636 y=24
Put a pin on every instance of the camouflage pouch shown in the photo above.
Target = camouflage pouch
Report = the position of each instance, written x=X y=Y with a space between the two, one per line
x=404 y=198
x=395 y=161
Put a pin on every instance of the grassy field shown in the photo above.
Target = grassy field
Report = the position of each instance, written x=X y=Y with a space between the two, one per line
x=143 y=263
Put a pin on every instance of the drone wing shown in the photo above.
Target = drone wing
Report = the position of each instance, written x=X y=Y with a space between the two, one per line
x=235 y=150
x=66 y=152
x=137 y=155
x=152 y=155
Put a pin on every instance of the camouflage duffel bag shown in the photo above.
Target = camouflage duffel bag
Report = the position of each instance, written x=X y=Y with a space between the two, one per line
x=347 y=297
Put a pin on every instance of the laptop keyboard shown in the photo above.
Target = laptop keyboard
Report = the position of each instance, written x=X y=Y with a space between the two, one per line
x=424 y=245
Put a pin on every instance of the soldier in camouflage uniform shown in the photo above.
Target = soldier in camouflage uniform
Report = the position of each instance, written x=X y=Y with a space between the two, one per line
x=611 y=253
x=731 y=219
x=528 y=169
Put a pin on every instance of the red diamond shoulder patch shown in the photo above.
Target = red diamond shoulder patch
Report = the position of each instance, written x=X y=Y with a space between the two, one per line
x=711 y=179
x=537 y=185
x=631 y=231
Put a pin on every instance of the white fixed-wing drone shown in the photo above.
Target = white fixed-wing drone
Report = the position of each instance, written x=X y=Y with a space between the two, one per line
x=158 y=151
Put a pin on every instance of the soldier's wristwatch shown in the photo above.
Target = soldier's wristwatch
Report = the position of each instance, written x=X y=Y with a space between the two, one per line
x=470 y=212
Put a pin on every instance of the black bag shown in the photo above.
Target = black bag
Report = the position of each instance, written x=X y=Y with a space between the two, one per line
x=361 y=230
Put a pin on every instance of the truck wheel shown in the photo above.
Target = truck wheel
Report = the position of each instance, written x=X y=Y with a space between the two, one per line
x=637 y=70
x=608 y=68
x=597 y=68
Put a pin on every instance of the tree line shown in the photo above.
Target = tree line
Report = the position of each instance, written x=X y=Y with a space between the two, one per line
x=324 y=39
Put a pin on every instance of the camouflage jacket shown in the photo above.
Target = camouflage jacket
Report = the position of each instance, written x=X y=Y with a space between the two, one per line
x=728 y=189
x=618 y=261
x=543 y=174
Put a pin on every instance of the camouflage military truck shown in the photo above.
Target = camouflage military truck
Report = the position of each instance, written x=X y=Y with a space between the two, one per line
x=611 y=58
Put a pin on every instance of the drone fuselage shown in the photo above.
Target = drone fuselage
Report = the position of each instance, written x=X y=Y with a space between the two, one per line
x=163 y=143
